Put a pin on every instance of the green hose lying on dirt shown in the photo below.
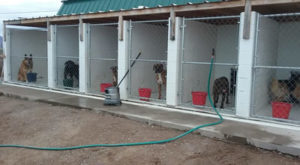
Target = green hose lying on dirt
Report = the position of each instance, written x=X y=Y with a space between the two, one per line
x=131 y=144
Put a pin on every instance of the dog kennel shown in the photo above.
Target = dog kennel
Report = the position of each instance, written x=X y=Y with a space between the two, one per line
x=276 y=83
x=67 y=57
x=150 y=38
x=30 y=48
x=103 y=55
x=201 y=38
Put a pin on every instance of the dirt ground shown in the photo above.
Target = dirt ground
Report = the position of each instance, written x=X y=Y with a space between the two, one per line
x=41 y=124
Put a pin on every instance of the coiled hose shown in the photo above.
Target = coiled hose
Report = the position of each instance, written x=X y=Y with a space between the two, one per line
x=131 y=144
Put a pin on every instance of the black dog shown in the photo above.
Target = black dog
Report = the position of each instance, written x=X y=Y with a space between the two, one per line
x=221 y=86
x=71 y=69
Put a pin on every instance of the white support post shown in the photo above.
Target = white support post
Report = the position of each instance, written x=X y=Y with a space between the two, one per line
x=7 y=59
x=52 y=77
x=173 y=68
x=123 y=58
x=246 y=57
x=83 y=57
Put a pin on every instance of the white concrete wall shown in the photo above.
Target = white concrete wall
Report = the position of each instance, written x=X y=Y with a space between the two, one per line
x=245 y=73
x=6 y=61
x=266 y=55
x=52 y=70
x=29 y=42
x=152 y=41
x=123 y=57
x=174 y=57
x=104 y=45
x=67 y=44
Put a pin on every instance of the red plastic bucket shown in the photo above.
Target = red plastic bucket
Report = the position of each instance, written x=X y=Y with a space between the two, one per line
x=103 y=86
x=145 y=92
x=281 y=110
x=199 y=98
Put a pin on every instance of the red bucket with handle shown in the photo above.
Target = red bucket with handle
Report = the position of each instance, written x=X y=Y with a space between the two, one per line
x=281 y=110
x=199 y=97
x=145 y=92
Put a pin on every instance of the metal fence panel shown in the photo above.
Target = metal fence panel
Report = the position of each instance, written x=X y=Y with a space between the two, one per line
x=149 y=72
x=67 y=57
x=200 y=37
x=276 y=68
x=103 y=55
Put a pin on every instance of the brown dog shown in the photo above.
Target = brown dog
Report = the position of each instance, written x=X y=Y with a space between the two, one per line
x=114 y=70
x=279 y=91
x=25 y=67
x=160 y=77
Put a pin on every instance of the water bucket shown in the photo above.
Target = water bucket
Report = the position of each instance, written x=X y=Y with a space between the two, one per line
x=199 y=98
x=103 y=86
x=31 y=77
x=145 y=92
x=68 y=83
x=281 y=110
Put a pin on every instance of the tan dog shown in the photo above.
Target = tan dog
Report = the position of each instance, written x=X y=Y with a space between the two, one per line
x=114 y=70
x=296 y=92
x=160 y=77
x=25 y=67
x=279 y=91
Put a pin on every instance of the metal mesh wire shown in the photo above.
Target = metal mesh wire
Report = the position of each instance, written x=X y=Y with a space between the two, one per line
x=200 y=36
x=67 y=57
x=149 y=72
x=276 y=83
x=103 y=55
x=28 y=58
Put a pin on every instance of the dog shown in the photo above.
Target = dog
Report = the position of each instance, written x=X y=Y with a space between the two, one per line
x=221 y=87
x=114 y=70
x=279 y=90
x=286 y=90
x=160 y=75
x=30 y=61
x=25 y=67
x=71 y=70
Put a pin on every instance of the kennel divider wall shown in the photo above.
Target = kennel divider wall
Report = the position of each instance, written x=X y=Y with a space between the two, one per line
x=150 y=38
x=103 y=55
x=277 y=54
x=29 y=42
x=201 y=35
x=67 y=48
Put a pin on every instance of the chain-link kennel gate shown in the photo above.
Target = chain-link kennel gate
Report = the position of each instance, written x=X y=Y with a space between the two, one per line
x=276 y=81
x=147 y=78
x=67 y=57
x=28 y=52
x=202 y=36
x=103 y=55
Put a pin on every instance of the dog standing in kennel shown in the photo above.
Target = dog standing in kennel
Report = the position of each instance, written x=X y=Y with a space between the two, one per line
x=160 y=75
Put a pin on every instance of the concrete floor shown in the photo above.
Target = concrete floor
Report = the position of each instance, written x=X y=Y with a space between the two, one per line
x=271 y=136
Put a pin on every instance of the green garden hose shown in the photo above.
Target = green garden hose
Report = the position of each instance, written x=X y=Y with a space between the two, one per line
x=131 y=144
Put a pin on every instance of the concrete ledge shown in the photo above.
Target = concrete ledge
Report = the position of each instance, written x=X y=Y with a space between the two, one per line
x=282 y=138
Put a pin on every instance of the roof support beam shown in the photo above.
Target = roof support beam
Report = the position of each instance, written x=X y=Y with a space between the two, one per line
x=173 y=24
x=80 y=29
x=247 y=20
x=121 y=28
x=48 y=31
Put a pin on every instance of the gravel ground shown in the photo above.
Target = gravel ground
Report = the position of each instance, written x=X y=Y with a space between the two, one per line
x=40 y=124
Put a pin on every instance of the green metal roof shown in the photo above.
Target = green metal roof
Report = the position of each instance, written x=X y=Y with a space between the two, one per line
x=86 y=6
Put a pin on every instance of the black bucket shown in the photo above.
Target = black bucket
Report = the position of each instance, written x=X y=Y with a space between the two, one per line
x=31 y=77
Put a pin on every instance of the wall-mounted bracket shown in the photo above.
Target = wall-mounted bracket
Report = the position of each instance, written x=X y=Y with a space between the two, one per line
x=247 y=20
x=173 y=24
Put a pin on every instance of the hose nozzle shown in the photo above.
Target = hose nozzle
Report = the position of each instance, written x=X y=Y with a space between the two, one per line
x=213 y=53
